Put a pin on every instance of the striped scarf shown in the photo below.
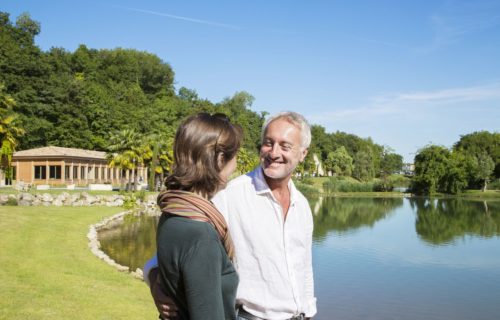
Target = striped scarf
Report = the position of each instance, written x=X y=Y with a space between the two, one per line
x=192 y=206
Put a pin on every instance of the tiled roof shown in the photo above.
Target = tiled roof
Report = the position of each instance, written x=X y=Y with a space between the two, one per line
x=60 y=152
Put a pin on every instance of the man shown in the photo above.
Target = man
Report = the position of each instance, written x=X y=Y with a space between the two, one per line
x=271 y=225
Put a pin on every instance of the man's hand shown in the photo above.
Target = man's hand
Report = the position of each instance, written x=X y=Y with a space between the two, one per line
x=165 y=305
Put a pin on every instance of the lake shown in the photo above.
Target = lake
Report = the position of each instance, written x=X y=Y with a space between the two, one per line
x=382 y=258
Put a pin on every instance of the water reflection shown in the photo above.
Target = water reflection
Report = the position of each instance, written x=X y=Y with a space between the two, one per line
x=438 y=222
x=443 y=221
x=131 y=243
x=347 y=214
x=377 y=258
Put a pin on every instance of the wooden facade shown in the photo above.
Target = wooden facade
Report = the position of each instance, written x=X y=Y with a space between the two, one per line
x=65 y=166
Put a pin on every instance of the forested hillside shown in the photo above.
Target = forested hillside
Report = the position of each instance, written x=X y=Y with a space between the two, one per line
x=89 y=97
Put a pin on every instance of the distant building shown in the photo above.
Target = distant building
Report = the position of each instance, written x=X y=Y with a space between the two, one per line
x=409 y=169
x=63 y=166
x=319 y=168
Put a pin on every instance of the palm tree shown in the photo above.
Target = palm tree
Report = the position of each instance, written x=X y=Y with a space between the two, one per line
x=9 y=131
x=162 y=158
x=127 y=151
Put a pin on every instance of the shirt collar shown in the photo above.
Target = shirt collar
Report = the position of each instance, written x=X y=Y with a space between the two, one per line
x=261 y=186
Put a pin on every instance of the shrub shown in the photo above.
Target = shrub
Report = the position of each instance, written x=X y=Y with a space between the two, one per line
x=494 y=185
x=308 y=181
x=141 y=195
x=306 y=189
x=129 y=202
x=383 y=186
x=11 y=202
x=340 y=185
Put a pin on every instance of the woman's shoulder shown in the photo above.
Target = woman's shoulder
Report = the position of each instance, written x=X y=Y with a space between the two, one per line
x=190 y=228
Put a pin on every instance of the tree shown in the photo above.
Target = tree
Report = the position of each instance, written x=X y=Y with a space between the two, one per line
x=431 y=164
x=363 y=166
x=188 y=94
x=391 y=163
x=9 y=131
x=485 y=168
x=247 y=161
x=320 y=142
x=127 y=151
x=237 y=108
x=27 y=25
x=308 y=166
x=455 y=177
x=481 y=142
x=161 y=161
x=339 y=162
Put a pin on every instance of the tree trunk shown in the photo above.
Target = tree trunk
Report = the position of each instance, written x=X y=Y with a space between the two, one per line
x=135 y=179
x=485 y=185
x=162 y=180
x=122 y=180
x=129 y=184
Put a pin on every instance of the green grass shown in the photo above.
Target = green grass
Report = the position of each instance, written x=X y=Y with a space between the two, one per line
x=48 y=272
x=481 y=194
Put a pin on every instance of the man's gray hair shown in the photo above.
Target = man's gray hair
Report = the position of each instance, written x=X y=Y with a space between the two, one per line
x=294 y=118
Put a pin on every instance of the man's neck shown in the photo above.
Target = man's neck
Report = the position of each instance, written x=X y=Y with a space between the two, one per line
x=281 y=192
x=278 y=185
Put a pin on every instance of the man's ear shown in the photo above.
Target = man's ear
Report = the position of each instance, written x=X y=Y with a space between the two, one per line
x=304 y=154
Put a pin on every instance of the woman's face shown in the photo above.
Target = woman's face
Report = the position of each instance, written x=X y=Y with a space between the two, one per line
x=228 y=169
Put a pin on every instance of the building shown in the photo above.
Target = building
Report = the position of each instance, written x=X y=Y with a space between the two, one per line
x=408 y=169
x=56 y=166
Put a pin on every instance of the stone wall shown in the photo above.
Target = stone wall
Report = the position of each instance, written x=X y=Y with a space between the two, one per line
x=69 y=199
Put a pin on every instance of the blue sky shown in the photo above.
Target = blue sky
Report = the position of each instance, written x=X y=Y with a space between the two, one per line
x=405 y=73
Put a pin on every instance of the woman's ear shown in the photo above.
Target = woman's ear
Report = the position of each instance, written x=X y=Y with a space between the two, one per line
x=220 y=161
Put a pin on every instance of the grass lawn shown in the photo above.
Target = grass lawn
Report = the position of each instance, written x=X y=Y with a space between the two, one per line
x=480 y=194
x=48 y=272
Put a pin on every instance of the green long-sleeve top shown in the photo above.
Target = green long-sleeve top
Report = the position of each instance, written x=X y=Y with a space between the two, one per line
x=195 y=269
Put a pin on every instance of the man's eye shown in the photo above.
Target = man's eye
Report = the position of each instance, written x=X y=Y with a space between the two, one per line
x=286 y=147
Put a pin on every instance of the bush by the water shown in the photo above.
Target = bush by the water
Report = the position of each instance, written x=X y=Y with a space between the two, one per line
x=305 y=187
x=384 y=185
x=494 y=185
x=338 y=184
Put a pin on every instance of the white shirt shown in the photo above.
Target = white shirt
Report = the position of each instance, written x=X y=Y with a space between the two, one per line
x=273 y=255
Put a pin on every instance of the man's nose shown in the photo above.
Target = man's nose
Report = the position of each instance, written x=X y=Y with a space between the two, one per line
x=274 y=150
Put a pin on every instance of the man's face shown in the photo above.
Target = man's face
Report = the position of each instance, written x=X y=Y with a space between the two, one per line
x=281 y=149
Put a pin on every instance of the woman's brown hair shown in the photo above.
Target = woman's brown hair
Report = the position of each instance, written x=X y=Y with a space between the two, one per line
x=201 y=142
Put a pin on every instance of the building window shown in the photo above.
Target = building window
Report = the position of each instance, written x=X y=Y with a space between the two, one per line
x=14 y=169
x=75 y=172
x=55 y=172
x=82 y=173
x=96 y=173
x=67 y=172
x=40 y=172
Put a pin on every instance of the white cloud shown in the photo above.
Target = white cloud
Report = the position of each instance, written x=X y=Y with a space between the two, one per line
x=398 y=104
x=476 y=93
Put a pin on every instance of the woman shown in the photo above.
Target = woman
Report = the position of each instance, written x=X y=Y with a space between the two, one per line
x=194 y=246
